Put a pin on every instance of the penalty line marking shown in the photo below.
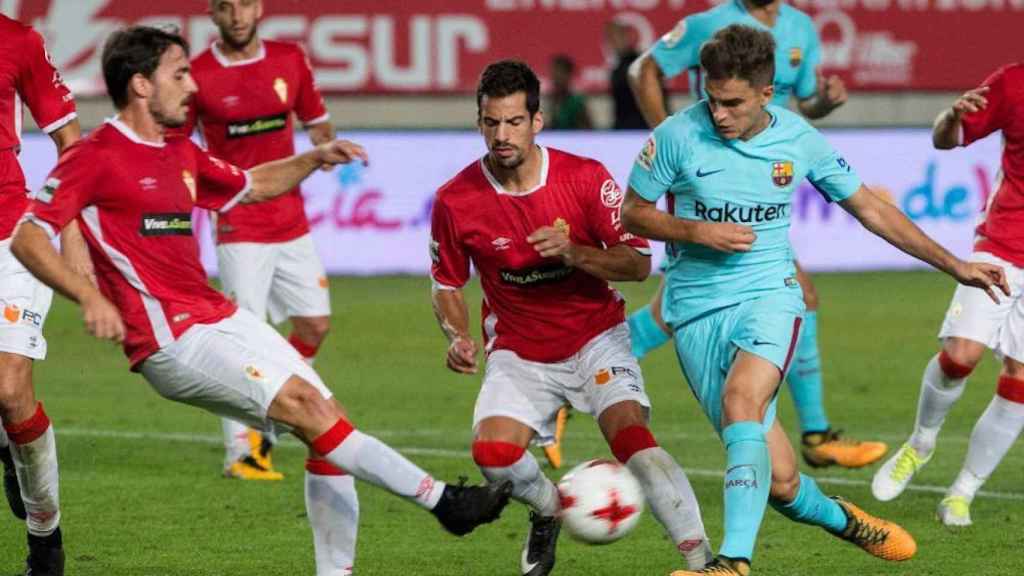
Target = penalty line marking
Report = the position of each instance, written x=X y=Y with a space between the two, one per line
x=465 y=454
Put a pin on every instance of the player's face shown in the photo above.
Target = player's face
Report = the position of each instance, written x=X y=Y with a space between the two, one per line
x=737 y=107
x=508 y=128
x=172 y=88
x=236 y=20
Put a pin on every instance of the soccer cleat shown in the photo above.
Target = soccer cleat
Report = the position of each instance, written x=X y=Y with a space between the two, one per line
x=955 y=511
x=830 y=447
x=880 y=538
x=720 y=566
x=892 y=478
x=462 y=508
x=11 y=488
x=553 y=452
x=259 y=448
x=45 y=555
x=246 y=468
x=538 y=557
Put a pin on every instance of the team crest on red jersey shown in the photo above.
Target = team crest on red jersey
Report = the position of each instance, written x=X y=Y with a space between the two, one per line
x=562 y=226
x=782 y=173
x=796 y=56
x=190 y=183
x=281 y=87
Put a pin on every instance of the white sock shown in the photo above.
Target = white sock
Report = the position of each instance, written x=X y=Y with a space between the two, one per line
x=373 y=461
x=672 y=502
x=994 y=433
x=529 y=485
x=333 y=509
x=34 y=450
x=938 y=394
x=236 y=440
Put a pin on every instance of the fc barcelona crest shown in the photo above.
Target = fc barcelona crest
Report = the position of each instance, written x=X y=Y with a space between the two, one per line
x=281 y=87
x=782 y=173
x=796 y=56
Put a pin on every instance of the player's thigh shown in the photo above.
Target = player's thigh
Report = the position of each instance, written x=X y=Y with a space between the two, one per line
x=246 y=272
x=608 y=377
x=300 y=286
x=1010 y=341
x=972 y=315
x=524 y=391
x=704 y=357
x=24 y=304
x=234 y=368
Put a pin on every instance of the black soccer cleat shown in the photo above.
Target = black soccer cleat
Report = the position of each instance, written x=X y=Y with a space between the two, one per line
x=11 y=488
x=45 y=555
x=538 y=557
x=462 y=508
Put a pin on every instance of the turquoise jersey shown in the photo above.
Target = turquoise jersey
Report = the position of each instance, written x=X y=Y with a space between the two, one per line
x=797 y=52
x=752 y=182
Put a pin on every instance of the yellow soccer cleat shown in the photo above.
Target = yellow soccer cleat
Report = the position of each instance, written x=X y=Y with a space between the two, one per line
x=259 y=449
x=955 y=511
x=830 y=448
x=720 y=566
x=246 y=468
x=892 y=478
x=553 y=452
x=880 y=538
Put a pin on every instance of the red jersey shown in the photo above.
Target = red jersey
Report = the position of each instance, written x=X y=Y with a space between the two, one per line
x=134 y=200
x=537 y=307
x=26 y=75
x=1000 y=233
x=244 y=110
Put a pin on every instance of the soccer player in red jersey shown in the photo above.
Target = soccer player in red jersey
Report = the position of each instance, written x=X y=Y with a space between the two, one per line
x=974 y=322
x=542 y=228
x=27 y=447
x=133 y=191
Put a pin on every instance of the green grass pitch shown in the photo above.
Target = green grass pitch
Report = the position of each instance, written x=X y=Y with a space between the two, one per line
x=142 y=494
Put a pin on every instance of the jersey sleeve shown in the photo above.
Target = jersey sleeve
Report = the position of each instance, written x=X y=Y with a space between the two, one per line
x=658 y=164
x=679 y=49
x=807 y=79
x=70 y=187
x=449 y=267
x=220 y=186
x=830 y=173
x=309 y=102
x=979 y=124
x=41 y=87
x=602 y=200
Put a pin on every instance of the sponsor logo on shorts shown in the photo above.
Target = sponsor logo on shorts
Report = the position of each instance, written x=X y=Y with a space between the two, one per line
x=791 y=282
x=323 y=282
x=602 y=377
x=166 y=224
x=526 y=277
x=255 y=126
x=605 y=376
x=16 y=315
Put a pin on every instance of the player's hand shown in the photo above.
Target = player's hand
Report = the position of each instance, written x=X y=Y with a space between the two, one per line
x=970 y=102
x=725 y=236
x=102 y=319
x=982 y=275
x=831 y=89
x=337 y=152
x=551 y=242
x=462 y=355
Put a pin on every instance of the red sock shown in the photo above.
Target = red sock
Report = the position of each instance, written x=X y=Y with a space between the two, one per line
x=307 y=350
x=328 y=441
x=631 y=440
x=1011 y=389
x=27 y=431
x=322 y=467
x=951 y=368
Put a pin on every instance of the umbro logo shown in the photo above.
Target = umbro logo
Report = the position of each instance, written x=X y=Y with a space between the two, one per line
x=147 y=183
x=709 y=172
x=501 y=243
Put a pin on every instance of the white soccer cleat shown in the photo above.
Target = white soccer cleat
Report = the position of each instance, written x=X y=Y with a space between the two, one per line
x=893 y=477
x=955 y=511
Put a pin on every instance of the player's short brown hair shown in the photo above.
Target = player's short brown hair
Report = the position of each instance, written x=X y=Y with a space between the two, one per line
x=505 y=78
x=135 y=50
x=740 y=52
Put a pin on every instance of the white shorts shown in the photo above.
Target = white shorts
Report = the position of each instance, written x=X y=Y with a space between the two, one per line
x=974 y=316
x=233 y=368
x=604 y=372
x=24 y=303
x=283 y=279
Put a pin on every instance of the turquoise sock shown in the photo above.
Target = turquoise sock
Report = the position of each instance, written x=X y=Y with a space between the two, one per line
x=805 y=378
x=748 y=476
x=645 y=333
x=812 y=507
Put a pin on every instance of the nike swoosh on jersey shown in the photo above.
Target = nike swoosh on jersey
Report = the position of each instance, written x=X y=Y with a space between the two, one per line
x=703 y=174
x=764 y=343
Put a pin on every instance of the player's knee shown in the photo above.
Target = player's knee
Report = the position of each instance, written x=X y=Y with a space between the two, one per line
x=958 y=357
x=496 y=454
x=300 y=404
x=312 y=330
x=740 y=405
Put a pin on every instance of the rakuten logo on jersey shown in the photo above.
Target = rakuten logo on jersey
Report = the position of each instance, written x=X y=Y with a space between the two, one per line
x=741 y=214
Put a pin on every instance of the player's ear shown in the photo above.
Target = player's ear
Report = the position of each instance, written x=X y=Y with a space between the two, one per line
x=141 y=86
x=767 y=92
x=537 y=123
x=259 y=9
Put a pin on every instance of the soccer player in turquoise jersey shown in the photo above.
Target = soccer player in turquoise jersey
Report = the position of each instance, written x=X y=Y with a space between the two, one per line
x=797 y=56
x=731 y=295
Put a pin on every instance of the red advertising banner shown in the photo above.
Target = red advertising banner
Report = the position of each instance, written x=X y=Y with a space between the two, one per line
x=440 y=46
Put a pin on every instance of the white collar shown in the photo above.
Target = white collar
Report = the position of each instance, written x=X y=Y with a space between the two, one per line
x=131 y=134
x=225 y=62
x=543 y=176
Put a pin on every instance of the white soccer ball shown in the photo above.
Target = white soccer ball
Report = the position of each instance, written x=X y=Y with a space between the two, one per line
x=601 y=501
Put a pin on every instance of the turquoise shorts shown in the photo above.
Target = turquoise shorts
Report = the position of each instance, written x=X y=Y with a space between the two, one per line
x=768 y=326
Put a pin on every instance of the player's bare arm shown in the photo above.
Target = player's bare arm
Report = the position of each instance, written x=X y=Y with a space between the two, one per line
x=887 y=222
x=320 y=133
x=645 y=80
x=272 y=179
x=617 y=263
x=32 y=247
x=453 y=317
x=643 y=218
x=831 y=94
x=946 y=129
x=72 y=243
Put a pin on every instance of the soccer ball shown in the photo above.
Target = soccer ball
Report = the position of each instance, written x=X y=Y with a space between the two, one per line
x=601 y=501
